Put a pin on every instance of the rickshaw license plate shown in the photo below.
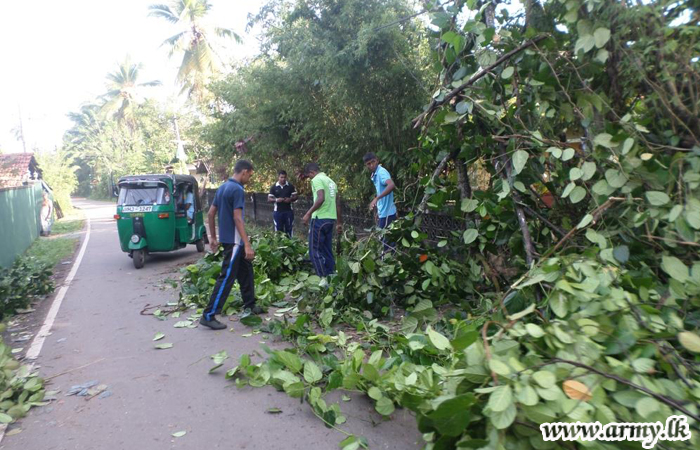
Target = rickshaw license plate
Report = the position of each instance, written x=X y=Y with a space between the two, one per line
x=132 y=209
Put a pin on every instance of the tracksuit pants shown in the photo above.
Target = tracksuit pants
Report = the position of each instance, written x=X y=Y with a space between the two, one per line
x=383 y=223
x=284 y=221
x=321 y=246
x=233 y=267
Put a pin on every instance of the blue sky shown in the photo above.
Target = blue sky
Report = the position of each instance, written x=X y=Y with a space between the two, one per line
x=56 y=55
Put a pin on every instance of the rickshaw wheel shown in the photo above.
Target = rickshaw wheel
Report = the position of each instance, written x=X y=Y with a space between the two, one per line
x=200 y=245
x=139 y=256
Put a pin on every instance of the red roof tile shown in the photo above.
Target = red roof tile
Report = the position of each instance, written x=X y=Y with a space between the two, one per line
x=15 y=168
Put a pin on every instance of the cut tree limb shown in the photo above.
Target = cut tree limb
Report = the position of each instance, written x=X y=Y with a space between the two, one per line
x=434 y=104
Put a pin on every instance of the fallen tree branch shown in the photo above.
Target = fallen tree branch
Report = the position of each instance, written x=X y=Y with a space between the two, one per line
x=436 y=173
x=596 y=213
x=450 y=95
x=670 y=402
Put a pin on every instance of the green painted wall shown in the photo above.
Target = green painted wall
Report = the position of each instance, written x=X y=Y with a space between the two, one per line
x=20 y=209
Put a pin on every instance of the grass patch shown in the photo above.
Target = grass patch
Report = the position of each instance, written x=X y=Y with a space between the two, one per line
x=70 y=223
x=52 y=251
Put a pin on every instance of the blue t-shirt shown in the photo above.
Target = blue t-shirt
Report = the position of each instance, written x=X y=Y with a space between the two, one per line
x=229 y=196
x=385 y=205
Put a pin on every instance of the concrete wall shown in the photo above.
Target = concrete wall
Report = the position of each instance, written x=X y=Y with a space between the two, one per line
x=20 y=209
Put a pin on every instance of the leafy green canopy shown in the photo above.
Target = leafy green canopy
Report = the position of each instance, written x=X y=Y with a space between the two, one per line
x=330 y=85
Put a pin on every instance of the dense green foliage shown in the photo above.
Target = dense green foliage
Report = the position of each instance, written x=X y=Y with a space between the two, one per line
x=59 y=172
x=329 y=85
x=568 y=137
x=26 y=280
x=21 y=388
x=106 y=148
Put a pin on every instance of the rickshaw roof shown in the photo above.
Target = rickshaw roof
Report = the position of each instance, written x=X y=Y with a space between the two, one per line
x=162 y=177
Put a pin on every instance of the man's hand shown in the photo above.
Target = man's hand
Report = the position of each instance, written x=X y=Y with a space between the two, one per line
x=288 y=200
x=249 y=253
x=339 y=227
x=373 y=204
x=213 y=244
x=306 y=218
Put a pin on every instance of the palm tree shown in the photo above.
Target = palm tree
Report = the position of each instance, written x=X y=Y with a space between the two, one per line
x=123 y=92
x=199 y=61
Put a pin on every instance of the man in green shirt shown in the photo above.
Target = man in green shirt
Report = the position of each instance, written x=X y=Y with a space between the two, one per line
x=323 y=214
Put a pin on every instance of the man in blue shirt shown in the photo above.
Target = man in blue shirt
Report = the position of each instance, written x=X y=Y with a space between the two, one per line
x=384 y=185
x=229 y=203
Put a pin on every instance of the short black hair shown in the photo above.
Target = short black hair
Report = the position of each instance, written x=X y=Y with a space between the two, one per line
x=369 y=157
x=311 y=167
x=241 y=165
x=282 y=172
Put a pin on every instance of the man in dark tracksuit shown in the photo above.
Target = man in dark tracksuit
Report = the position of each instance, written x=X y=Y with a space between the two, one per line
x=229 y=202
x=283 y=194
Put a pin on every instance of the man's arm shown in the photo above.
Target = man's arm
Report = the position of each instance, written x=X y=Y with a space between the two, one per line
x=389 y=187
x=320 y=197
x=240 y=226
x=271 y=197
x=387 y=190
x=294 y=197
x=211 y=216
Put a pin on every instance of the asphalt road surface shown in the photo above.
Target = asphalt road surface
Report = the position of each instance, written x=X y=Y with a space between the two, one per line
x=155 y=393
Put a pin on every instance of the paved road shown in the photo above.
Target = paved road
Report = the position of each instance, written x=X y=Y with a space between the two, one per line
x=159 y=392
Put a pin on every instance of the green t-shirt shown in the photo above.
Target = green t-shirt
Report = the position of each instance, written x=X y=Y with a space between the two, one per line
x=330 y=190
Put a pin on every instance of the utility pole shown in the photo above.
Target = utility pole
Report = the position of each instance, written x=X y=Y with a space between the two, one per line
x=21 y=130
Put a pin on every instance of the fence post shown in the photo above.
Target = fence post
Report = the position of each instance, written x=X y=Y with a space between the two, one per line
x=255 y=209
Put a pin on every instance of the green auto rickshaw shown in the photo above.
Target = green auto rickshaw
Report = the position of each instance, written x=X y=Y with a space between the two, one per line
x=158 y=213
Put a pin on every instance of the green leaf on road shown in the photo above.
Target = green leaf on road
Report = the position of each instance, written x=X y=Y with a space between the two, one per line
x=251 y=321
x=178 y=434
x=312 y=373
x=158 y=336
x=384 y=406
x=164 y=346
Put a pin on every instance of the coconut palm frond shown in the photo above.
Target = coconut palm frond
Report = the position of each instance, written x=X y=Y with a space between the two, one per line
x=150 y=83
x=176 y=41
x=164 y=12
x=228 y=33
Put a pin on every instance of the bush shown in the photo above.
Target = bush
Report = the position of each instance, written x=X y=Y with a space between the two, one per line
x=26 y=280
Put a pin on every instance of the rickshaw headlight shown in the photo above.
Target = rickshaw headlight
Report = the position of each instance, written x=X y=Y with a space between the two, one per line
x=135 y=239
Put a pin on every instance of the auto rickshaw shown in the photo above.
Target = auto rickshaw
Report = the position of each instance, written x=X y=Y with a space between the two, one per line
x=153 y=216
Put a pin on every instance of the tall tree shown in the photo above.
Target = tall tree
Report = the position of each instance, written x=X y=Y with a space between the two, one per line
x=123 y=92
x=195 y=41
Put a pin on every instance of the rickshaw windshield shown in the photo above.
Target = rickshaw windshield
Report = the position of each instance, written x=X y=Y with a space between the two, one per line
x=132 y=195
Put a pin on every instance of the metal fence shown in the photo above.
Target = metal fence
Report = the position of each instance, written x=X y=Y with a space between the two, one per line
x=355 y=214
x=20 y=223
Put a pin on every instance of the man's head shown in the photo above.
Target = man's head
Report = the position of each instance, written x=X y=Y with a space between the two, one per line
x=282 y=177
x=371 y=161
x=242 y=171
x=311 y=170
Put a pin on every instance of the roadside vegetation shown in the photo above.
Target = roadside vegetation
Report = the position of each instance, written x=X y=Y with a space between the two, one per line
x=27 y=281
